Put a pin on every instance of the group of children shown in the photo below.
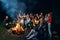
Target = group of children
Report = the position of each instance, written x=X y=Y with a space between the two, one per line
x=38 y=24
x=35 y=23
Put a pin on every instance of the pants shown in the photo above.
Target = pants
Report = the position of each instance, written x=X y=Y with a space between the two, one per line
x=31 y=34
x=49 y=29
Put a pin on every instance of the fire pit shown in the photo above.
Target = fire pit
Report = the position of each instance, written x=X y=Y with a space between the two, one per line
x=18 y=29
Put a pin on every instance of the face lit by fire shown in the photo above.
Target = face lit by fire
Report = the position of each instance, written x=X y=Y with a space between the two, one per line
x=6 y=17
x=22 y=21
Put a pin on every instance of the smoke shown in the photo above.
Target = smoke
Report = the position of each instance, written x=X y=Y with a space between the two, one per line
x=13 y=7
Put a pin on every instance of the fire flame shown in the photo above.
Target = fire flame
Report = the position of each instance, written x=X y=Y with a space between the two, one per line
x=18 y=28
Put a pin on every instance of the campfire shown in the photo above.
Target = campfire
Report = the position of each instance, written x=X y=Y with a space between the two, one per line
x=18 y=29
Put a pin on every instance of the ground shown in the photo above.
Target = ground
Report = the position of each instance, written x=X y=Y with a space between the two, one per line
x=6 y=34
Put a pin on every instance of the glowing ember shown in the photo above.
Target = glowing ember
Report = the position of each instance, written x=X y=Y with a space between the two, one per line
x=18 y=29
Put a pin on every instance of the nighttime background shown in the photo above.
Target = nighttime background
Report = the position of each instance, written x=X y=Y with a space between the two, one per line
x=30 y=6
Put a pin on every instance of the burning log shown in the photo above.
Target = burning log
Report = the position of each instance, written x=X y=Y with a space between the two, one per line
x=18 y=29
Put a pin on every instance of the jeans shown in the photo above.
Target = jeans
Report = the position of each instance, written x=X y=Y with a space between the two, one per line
x=49 y=29
x=32 y=34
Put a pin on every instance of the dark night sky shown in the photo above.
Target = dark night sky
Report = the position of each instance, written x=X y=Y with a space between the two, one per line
x=40 y=6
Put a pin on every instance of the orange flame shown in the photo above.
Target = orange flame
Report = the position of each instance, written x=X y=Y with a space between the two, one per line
x=18 y=28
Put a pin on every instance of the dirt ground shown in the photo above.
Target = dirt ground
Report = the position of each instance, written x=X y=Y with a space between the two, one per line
x=6 y=34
